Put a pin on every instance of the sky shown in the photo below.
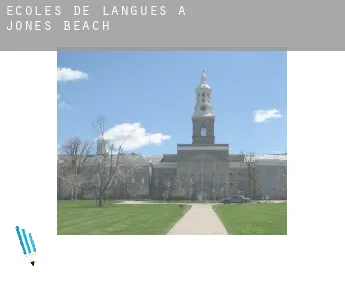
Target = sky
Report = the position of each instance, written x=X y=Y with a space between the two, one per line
x=149 y=97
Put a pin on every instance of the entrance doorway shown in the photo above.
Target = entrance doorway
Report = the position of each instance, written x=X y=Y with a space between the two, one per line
x=202 y=196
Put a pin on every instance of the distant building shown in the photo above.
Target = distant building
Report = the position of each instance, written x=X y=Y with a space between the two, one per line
x=200 y=171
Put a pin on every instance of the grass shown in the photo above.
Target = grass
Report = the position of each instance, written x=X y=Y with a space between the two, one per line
x=84 y=218
x=254 y=219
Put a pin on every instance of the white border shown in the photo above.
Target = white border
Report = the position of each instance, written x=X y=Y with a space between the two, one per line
x=315 y=191
x=316 y=90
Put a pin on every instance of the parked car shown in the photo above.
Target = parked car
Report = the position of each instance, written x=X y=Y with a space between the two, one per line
x=236 y=199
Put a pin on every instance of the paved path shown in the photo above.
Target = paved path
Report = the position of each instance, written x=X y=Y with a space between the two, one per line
x=199 y=220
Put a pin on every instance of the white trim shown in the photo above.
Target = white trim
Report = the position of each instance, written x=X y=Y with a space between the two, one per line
x=271 y=157
x=202 y=148
x=201 y=116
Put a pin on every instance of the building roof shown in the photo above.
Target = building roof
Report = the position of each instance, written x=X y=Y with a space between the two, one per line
x=169 y=158
x=134 y=159
x=236 y=158
x=282 y=157
x=155 y=159
x=138 y=159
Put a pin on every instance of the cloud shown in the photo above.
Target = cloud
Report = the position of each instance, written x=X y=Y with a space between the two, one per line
x=261 y=116
x=64 y=105
x=58 y=96
x=67 y=74
x=133 y=136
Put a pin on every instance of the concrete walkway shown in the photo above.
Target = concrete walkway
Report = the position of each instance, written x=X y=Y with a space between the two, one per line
x=199 y=220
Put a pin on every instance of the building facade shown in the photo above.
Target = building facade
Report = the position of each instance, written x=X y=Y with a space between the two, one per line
x=202 y=170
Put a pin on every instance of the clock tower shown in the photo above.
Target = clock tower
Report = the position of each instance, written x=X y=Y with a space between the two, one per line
x=203 y=118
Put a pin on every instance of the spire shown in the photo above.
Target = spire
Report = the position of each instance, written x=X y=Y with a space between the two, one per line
x=203 y=81
x=203 y=117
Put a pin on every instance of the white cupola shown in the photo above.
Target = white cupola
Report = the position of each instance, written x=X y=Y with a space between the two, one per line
x=203 y=104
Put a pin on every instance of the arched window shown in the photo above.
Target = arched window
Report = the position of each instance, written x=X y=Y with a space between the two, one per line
x=203 y=130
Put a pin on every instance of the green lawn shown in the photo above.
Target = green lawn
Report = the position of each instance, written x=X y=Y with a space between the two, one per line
x=254 y=219
x=83 y=218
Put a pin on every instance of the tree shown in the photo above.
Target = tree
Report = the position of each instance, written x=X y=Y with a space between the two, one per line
x=110 y=164
x=249 y=160
x=71 y=164
x=179 y=181
x=106 y=169
x=167 y=191
x=99 y=125
x=59 y=179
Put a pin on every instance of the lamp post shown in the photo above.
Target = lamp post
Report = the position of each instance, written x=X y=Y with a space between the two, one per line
x=223 y=189
x=191 y=181
x=169 y=185
x=214 y=174
x=202 y=179
x=133 y=193
x=142 y=187
x=214 y=186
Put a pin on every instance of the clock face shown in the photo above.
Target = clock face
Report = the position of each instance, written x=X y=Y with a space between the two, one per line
x=203 y=108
